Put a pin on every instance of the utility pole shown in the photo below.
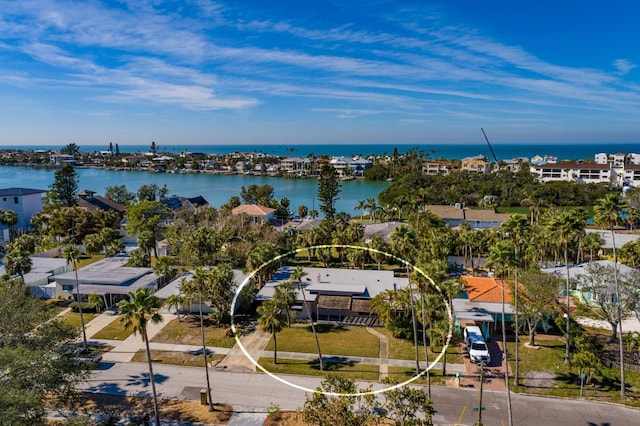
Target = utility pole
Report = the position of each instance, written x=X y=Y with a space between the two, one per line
x=479 y=423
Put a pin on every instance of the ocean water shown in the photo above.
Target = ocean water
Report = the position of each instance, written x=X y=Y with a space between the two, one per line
x=446 y=151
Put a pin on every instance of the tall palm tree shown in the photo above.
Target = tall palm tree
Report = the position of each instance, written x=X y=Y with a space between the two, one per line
x=202 y=279
x=403 y=241
x=607 y=212
x=296 y=276
x=565 y=225
x=516 y=227
x=71 y=254
x=362 y=204
x=136 y=313
x=501 y=255
x=372 y=207
x=270 y=320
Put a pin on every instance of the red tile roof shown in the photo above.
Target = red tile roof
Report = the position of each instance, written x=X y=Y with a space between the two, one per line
x=486 y=289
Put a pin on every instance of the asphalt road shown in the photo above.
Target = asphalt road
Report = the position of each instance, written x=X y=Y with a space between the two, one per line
x=256 y=392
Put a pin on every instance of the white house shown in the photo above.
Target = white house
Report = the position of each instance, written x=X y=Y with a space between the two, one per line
x=574 y=172
x=25 y=202
x=335 y=294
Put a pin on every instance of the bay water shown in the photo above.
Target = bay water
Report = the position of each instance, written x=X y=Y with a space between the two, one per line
x=216 y=189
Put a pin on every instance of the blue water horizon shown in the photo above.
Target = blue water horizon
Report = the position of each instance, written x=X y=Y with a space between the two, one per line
x=563 y=151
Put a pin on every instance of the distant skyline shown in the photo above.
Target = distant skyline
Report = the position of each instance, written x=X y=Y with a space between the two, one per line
x=336 y=72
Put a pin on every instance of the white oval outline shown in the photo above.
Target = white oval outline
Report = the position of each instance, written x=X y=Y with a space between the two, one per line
x=318 y=390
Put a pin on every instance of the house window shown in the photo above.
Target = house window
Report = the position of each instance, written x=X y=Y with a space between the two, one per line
x=67 y=287
x=15 y=200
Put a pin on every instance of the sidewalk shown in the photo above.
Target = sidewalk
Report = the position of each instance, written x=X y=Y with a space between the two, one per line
x=254 y=343
x=125 y=350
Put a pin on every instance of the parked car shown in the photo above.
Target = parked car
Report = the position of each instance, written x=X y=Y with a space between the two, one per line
x=82 y=355
x=476 y=345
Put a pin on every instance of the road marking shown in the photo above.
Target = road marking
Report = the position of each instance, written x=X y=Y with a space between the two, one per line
x=461 y=414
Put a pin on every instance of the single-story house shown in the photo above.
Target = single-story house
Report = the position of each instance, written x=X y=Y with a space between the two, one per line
x=481 y=302
x=581 y=270
x=174 y=288
x=456 y=215
x=384 y=230
x=334 y=294
x=43 y=270
x=108 y=278
x=256 y=212
x=90 y=201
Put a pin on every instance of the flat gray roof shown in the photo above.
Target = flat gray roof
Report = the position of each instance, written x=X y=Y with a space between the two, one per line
x=334 y=281
x=148 y=281
x=109 y=271
x=465 y=309
x=581 y=269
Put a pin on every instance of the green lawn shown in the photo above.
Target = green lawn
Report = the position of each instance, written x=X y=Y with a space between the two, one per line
x=334 y=340
x=542 y=371
x=73 y=318
x=187 y=332
x=113 y=331
x=311 y=368
x=405 y=349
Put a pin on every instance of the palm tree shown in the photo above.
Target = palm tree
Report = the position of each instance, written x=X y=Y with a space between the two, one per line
x=501 y=255
x=285 y=297
x=362 y=204
x=372 y=207
x=607 y=213
x=403 y=241
x=71 y=254
x=516 y=227
x=10 y=219
x=136 y=313
x=96 y=301
x=271 y=321
x=296 y=276
x=564 y=226
x=17 y=261
x=175 y=301
x=202 y=278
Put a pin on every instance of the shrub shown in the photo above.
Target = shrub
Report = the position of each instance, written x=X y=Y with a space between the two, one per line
x=86 y=307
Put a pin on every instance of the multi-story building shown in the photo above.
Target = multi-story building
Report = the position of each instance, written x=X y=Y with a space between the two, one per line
x=25 y=202
x=478 y=164
x=436 y=167
x=574 y=172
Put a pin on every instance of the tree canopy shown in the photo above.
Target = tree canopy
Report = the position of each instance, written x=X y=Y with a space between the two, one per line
x=64 y=188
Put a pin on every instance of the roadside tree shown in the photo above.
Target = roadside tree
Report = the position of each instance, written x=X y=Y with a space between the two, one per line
x=32 y=372
x=270 y=320
x=536 y=298
x=135 y=313
x=71 y=254
x=335 y=404
x=607 y=213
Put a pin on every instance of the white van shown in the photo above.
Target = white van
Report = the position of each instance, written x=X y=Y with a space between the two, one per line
x=476 y=345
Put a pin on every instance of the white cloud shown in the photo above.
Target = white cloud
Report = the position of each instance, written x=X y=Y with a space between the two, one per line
x=624 y=66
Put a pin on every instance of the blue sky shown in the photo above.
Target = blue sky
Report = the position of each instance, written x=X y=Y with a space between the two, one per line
x=258 y=72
